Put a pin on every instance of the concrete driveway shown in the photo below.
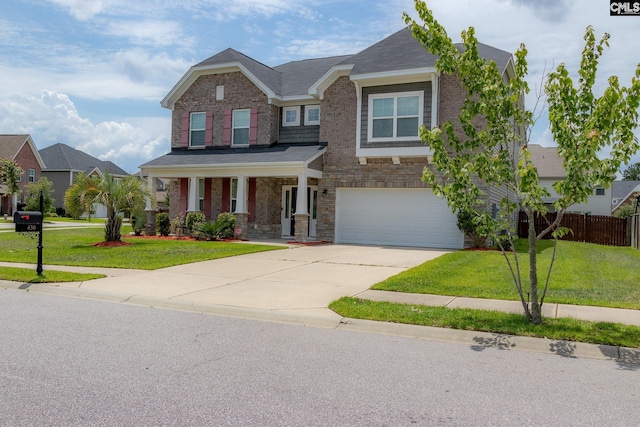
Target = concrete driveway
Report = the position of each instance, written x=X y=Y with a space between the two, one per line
x=300 y=279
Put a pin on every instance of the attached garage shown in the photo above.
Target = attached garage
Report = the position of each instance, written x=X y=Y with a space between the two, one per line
x=395 y=217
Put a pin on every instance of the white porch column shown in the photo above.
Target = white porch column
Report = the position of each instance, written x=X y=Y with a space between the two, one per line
x=151 y=191
x=193 y=194
x=241 y=195
x=301 y=202
x=14 y=203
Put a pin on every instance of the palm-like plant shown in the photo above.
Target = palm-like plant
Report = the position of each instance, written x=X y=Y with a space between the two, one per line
x=117 y=195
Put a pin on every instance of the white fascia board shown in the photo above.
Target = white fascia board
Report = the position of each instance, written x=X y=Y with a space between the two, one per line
x=327 y=79
x=36 y=153
x=194 y=72
x=397 y=76
x=285 y=101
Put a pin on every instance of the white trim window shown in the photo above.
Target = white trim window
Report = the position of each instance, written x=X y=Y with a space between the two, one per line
x=32 y=175
x=291 y=116
x=197 y=126
x=233 y=197
x=311 y=115
x=240 y=127
x=395 y=116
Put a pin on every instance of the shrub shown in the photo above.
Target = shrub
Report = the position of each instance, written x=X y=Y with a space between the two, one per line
x=470 y=229
x=163 y=224
x=178 y=225
x=225 y=223
x=625 y=211
x=221 y=228
x=193 y=218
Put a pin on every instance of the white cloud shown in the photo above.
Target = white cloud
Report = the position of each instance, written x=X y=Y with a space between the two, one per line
x=149 y=32
x=52 y=117
x=83 y=9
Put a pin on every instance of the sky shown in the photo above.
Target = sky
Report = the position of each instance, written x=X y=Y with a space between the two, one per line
x=91 y=73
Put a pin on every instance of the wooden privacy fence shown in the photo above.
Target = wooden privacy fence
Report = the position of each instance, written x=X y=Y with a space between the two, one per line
x=603 y=230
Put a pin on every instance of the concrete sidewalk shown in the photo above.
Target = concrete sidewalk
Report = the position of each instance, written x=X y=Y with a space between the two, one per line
x=295 y=285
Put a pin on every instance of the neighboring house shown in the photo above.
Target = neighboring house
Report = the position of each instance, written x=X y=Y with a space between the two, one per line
x=23 y=151
x=550 y=169
x=624 y=193
x=324 y=149
x=63 y=163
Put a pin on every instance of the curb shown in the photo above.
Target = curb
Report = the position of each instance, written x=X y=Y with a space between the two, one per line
x=478 y=341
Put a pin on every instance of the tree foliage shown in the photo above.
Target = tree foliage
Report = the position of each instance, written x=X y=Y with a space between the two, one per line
x=10 y=173
x=632 y=173
x=487 y=146
x=117 y=195
x=33 y=195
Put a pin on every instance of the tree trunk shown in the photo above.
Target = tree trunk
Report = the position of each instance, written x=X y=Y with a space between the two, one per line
x=535 y=310
x=112 y=228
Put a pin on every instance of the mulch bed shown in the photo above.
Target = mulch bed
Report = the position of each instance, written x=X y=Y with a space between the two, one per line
x=184 y=238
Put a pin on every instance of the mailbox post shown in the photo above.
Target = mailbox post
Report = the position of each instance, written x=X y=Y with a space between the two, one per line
x=31 y=222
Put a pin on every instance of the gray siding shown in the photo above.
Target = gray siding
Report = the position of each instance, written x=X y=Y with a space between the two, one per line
x=60 y=181
x=364 y=117
x=293 y=134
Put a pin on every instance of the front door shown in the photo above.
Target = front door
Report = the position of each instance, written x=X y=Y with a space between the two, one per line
x=289 y=200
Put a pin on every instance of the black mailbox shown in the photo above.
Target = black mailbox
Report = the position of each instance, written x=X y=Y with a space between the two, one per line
x=27 y=221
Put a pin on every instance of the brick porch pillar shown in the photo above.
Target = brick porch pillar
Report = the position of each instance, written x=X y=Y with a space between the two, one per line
x=242 y=221
x=150 y=225
x=302 y=227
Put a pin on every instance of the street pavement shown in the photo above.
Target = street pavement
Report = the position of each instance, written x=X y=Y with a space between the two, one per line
x=296 y=284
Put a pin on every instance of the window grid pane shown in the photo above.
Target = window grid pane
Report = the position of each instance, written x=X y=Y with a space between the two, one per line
x=383 y=128
x=383 y=107
x=408 y=106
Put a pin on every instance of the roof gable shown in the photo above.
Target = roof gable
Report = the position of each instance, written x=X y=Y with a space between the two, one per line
x=62 y=157
x=11 y=145
x=547 y=161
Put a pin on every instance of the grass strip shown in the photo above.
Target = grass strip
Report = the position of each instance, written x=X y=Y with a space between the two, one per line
x=565 y=329
x=26 y=275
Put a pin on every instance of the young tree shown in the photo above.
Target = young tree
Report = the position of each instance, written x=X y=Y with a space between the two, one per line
x=117 y=195
x=488 y=145
x=33 y=195
x=10 y=173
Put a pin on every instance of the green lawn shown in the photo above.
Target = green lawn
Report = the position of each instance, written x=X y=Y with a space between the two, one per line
x=583 y=274
x=75 y=247
x=490 y=321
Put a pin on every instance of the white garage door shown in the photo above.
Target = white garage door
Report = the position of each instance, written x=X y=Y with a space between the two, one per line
x=399 y=217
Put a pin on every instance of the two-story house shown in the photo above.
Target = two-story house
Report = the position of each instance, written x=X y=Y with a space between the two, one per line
x=324 y=149
x=23 y=151
x=64 y=163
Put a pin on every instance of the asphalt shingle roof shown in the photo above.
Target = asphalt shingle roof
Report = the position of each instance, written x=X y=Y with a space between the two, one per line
x=62 y=157
x=278 y=153
x=10 y=145
x=547 y=161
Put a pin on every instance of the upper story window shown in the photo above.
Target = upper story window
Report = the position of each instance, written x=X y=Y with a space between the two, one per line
x=312 y=115
x=395 y=116
x=291 y=116
x=599 y=191
x=32 y=175
x=240 y=127
x=197 y=129
x=219 y=92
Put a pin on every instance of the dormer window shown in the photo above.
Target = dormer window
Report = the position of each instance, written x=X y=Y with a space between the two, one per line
x=291 y=116
x=311 y=115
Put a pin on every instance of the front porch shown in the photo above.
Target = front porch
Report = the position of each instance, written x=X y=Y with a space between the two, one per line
x=271 y=200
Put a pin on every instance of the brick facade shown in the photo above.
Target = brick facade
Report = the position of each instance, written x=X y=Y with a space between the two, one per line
x=239 y=93
x=27 y=160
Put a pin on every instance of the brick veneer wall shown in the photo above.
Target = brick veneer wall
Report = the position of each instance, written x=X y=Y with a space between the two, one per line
x=27 y=160
x=342 y=168
x=239 y=93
